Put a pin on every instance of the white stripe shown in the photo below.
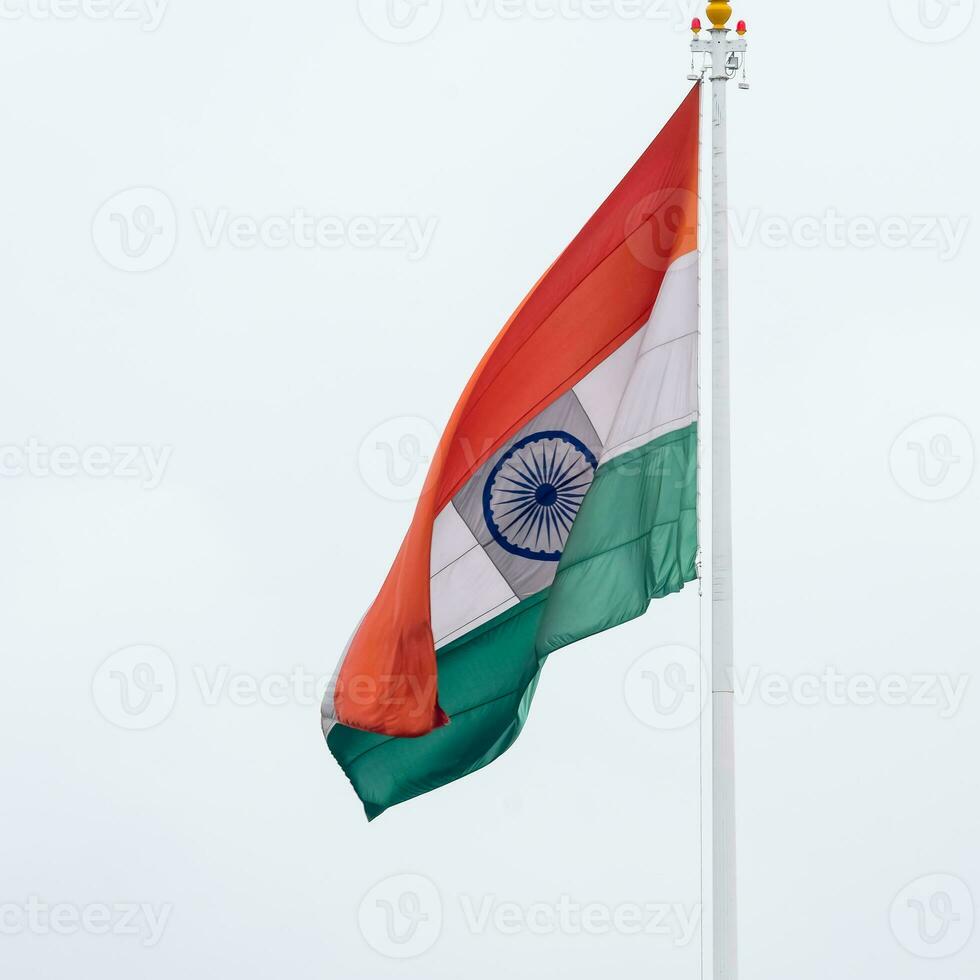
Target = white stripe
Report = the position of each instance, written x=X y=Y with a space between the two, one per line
x=661 y=394
x=676 y=311
x=660 y=397
x=464 y=591
x=451 y=539
x=601 y=390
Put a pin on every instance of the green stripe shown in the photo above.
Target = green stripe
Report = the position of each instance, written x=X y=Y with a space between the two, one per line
x=634 y=539
x=486 y=681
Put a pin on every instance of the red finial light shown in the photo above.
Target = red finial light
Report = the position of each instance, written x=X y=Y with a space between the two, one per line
x=741 y=29
x=696 y=25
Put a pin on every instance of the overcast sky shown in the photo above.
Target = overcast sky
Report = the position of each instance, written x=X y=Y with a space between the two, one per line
x=252 y=253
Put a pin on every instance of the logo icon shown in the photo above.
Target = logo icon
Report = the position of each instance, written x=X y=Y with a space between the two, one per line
x=136 y=687
x=394 y=457
x=136 y=229
x=534 y=493
x=932 y=21
x=933 y=459
x=663 y=226
x=401 y=917
x=667 y=688
x=400 y=21
x=933 y=917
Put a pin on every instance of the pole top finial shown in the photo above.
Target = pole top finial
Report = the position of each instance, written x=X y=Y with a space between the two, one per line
x=719 y=13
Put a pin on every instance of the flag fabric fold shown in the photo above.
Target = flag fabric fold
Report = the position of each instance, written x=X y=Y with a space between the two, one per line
x=561 y=499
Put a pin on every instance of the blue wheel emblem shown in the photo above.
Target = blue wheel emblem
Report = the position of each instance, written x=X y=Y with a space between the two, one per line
x=534 y=492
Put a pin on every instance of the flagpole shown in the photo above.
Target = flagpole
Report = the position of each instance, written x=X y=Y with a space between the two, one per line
x=724 y=54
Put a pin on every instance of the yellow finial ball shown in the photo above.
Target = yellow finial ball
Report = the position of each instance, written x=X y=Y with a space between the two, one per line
x=719 y=13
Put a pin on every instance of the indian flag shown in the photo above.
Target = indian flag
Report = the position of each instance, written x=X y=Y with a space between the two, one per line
x=562 y=497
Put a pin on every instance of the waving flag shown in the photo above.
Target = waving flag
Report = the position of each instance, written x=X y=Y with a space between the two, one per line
x=560 y=501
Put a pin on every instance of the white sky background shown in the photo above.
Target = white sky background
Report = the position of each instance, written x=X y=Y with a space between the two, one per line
x=260 y=371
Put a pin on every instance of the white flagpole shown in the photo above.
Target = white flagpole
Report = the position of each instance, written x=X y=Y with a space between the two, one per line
x=725 y=54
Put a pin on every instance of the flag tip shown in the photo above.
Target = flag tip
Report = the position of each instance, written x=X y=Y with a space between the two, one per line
x=719 y=13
